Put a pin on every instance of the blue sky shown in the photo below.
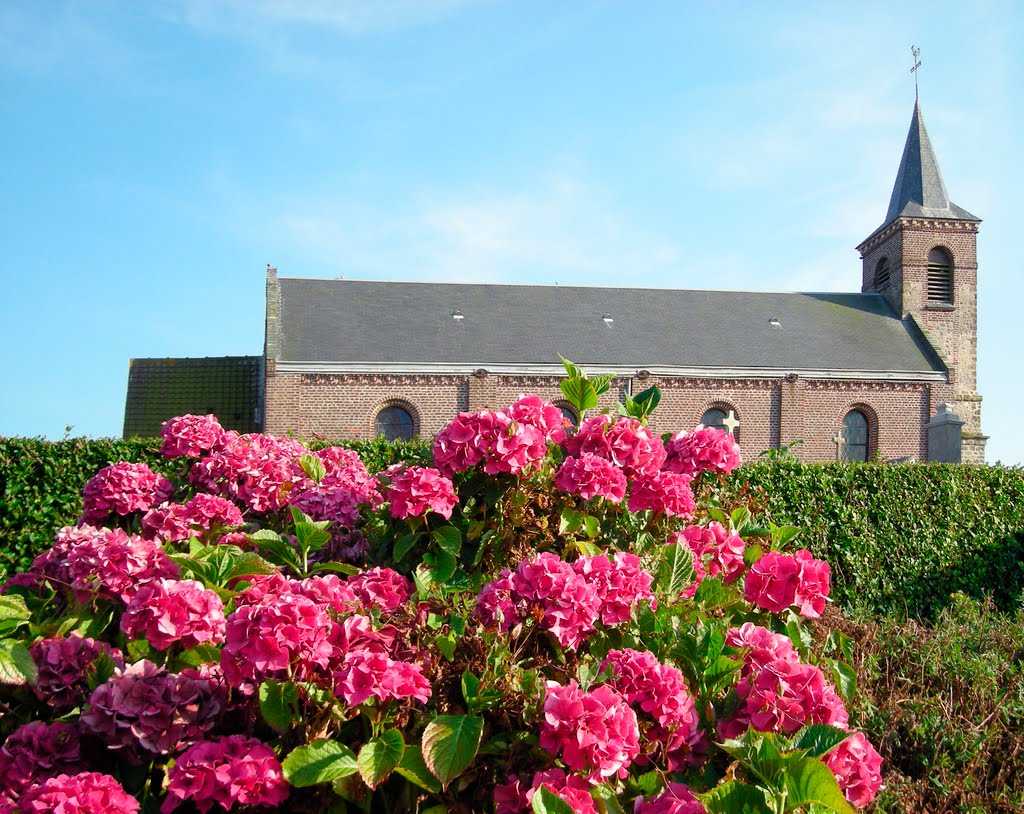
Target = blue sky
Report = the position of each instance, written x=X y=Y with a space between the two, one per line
x=155 y=156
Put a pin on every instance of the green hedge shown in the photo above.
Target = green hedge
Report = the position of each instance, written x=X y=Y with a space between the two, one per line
x=41 y=482
x=901 y=538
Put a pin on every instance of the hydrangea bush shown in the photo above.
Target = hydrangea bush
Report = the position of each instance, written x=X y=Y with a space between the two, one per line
x=549 y=619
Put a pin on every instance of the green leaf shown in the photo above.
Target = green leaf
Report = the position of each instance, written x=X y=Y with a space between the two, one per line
x=734 y=797
x=413 y=768
x=580 y=393
x=336 y=567
x=676 y=572
x=380 y=757
x=448 y=539
x=442 y=565
x=845 y=678
x=277 y=704
x=817 y=739
x=403 y=545
x=321 y=761
x=16 y=664
x=546 y=801
x=450 y=742
x=808 y=781
x=12 y=607
x=313 y=467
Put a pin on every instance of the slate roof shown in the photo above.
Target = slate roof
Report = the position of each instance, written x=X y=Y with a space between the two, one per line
x=159 y=389
x=919 y=190
x=354 y=322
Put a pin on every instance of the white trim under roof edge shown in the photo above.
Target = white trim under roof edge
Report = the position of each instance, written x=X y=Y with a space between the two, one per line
x=662 y=371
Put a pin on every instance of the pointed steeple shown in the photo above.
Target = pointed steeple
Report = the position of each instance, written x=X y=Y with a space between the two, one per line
x=919 y=190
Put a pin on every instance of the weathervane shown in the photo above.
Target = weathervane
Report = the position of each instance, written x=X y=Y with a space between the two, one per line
x=917 y=64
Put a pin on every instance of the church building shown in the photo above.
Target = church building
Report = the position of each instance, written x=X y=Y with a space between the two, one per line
x=856 y=376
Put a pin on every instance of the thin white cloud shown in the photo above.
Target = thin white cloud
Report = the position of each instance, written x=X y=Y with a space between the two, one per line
x=560 y=230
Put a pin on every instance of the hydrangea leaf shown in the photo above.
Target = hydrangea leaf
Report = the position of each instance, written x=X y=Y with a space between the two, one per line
x=16 y=664
x=808 y=781
x=450 y=742
x=277 y=703
x=546 y=801
x=379 y=757
x=733 y=797
x=817 y=739
x=414 y=769
x=321 y=761
x=448 y=539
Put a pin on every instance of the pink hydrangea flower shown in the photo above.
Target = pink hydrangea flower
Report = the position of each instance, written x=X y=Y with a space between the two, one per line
x=704 y=448
x=83 y=793
x=122 y=489
x=166 y=611
x=778 y=581
x=190 y=436
x=660 y=692
x=591 y=476
x=594 y=732
x=716 y=551
x=664 y=493
x=64 y=667
x=677 y=798
x=285 y=636
x=624 y=441
x=383 y=587
x=416 y=489
x=144 y=707
x=115 y=565
x=34 y=752
x=515 y=797
x=619 y=583
x=786 y=695
x=461 y=444
x=259 y=471
x=569 y=605
x=858 y=769
x=761 y=646
x=533 y=411
x=365 y=674
x=235 y=770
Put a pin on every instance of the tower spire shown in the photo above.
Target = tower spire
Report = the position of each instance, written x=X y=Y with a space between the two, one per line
x=919 y=190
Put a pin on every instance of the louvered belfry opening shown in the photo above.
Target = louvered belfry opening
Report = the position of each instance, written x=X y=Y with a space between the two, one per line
x=882 y=274
x=940 y=277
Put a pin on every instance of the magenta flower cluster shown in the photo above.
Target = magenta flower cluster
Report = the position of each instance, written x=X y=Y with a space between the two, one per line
x=595 y=733
x=511 y=441
x=415 y=489
x=569 y=598
x=777 y=581
x=223 y=773
x=703 y=448
x=122 y=489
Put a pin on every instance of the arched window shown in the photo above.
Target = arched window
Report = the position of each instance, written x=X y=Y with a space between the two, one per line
x=717 y=417
x=940 y=277
x=395 y=423
x=856 y=436
x=882 y=274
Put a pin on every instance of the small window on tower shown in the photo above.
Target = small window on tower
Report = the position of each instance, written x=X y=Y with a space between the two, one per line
x=940 y=277
x=882 y=274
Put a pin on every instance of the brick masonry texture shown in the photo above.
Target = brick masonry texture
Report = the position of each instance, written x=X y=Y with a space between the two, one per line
x=770 y=411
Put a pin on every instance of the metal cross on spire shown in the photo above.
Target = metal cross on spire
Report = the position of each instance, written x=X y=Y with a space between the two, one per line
x=916 y=52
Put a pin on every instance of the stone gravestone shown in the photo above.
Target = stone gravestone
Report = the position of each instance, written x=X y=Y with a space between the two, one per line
x=945 y=431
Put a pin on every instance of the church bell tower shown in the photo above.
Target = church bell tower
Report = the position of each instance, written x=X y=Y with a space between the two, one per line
x=923 y=260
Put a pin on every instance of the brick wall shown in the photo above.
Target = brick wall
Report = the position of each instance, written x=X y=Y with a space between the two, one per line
x=770 y=411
